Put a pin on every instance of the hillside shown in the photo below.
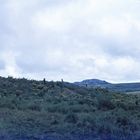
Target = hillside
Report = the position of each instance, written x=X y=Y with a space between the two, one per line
x=41 y=110
x=121 y=87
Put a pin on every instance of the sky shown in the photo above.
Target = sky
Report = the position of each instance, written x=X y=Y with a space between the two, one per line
x=70 y=39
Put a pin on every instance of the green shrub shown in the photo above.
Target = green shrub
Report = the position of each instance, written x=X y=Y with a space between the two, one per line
x=71 y=118
x=105 y=104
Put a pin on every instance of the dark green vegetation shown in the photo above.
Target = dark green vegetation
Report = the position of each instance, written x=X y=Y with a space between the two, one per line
x=122 y=87
x=41 y=110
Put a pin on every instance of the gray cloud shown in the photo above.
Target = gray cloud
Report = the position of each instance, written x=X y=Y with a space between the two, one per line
x=70 y=39
x=2 y=65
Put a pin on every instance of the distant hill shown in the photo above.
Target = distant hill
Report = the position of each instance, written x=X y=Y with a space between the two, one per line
x=93 y=83
x=121 y=87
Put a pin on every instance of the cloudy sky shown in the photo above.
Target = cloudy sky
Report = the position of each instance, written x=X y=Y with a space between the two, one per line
x=70 y=39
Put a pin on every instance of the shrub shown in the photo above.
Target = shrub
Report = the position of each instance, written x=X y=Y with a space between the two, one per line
x=71 y=118
x=105 y=104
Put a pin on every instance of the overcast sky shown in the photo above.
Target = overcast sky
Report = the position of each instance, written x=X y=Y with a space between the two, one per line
x=70 y=39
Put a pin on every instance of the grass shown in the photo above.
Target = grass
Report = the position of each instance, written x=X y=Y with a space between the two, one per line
x=134 y=92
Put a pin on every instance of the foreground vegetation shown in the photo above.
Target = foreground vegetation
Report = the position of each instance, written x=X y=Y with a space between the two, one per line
x=40 y=110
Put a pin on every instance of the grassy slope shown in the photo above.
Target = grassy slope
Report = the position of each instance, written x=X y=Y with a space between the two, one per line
x=55 y=110
x=134 y=93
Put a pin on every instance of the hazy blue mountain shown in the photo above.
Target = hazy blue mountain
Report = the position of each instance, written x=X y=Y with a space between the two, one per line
x=93 y=83
x=123 y=87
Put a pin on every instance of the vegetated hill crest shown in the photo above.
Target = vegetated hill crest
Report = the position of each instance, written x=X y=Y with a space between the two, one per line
x=45 y=110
